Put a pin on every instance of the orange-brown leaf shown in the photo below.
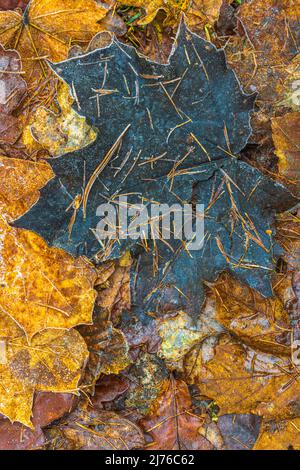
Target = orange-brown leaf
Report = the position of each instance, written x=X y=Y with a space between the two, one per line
x=171 y=421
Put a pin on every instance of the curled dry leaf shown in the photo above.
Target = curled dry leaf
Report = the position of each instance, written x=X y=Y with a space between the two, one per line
x=171 y=421
x=51 y=362
x=43 y=287
x=286 y=137
x=242 y=380
x=12 y=90
x=259 y=322
x=282 y=435
x=95 y=430
x=20 y=181
x=63 y=132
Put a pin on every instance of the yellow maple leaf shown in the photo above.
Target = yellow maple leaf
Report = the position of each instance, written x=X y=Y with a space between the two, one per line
x=59 y=133
x=51 y=362
x=198 y=12
x=45 y=32
x=20 y=181
x=42 y=287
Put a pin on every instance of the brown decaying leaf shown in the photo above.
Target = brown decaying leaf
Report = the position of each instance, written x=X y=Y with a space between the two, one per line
x=242 y=380
x=12 y=4
x=171 y=421
x=20 y=181
x=95 y=429
x=18 y=437
x=286 y=137
x=261 y=54
x=289 y=90
x=12 y=90
x=47 y=407
x=260 y=323
x=108 y=388
x=282 y=435
x=108 y=352
x=42 y=287
x=272 y=27
x=113 y=286
x=146 y=381
x=288 y=234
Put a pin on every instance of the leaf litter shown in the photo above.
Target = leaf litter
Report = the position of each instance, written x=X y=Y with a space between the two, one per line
x=207 y=361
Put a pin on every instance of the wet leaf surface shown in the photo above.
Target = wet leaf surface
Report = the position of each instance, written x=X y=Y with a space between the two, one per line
x=108 y=388
x=261 y=323
x=18 y=437
x=62 y=132
x=109 y=351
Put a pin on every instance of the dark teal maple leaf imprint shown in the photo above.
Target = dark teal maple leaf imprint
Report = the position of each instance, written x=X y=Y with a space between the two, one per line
x=166 y=133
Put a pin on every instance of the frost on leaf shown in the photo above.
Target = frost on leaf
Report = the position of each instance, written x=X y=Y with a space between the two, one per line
x=52 y=362
x=42 y=287
x=167 y=133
